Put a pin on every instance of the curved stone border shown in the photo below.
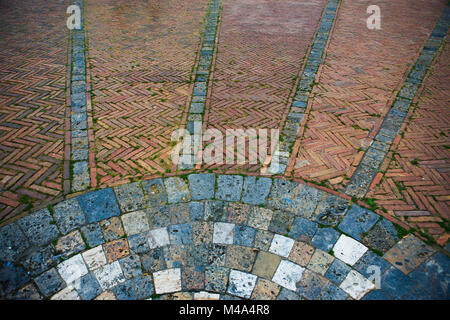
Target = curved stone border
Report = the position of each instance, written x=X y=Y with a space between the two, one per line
x=374 y=156
x=217 y=237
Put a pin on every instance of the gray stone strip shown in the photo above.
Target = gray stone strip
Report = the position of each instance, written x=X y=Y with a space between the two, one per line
x=79 y=116
x=372 y=160
x=202 y=75
x=161 y=236
x=291 y=127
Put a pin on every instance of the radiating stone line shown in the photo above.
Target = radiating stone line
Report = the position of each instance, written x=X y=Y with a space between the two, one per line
x=376 y=153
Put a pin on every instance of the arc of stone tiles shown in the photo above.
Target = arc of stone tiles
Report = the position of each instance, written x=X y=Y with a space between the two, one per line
x=374 y=156
x=127 y=242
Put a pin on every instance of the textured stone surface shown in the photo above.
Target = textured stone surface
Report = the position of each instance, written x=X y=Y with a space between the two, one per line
x=240 y=258
x=311 y=285
x=266 y=264
x=135 y=222
x=130 y=197
x=99 y=205
x=301 y=253
x=357 y=221
x=265 y=290
x=70 y=244
x=325 y=238
x=348 y=250
x=356 y=285
x=167 y=281
x=281 y=245
x=109 y=275
x=95 y=258
x=223 y=233
x=177 y=190
x=72 y=269
x=288 y=274
x=259 y=218
x=38 y=227
x=202 y=186
x=13 y=242
x=256 y=190
x=68 y=215
x=320 y=262
x=112 y=229
x=241 y=284
x=116 y=249
x=49 y=282
x=229 y=187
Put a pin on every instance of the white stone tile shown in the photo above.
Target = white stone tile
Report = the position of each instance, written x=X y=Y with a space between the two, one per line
x=72 y=269
x=348 y=249
x=281 y=245
x=68 y=293
x=202 y=295
x=356 y=285
x=288 y=274
x=135 y=222
x=167 y=281
x=241 y=284
x=158 y=238
x=223 y=233
x=95 y=258
x=109 y=275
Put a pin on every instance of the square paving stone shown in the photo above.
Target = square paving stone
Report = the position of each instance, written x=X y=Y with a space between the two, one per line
x=88 y=287
x=263 y=240
x=110 y=275
x=348 y=250
x=408 y=254
x=180 y=234
x=116 y=249
x=320 y=262
x=159 y=217
x=325 y=239
x=153 y=260
x=68 y=293
x=311 y=285
x=38 y=227
x=135 y=222
x=281 y=222
x=330 y=210
x=155 y=192
x=301 y=253
x=167 y=281
x=199 y=255
x=29 y=292
x=358 y=221
x=238 y=212
x=260 y=218
x=179 y=213
x=266 y=264
x=256 y=190
x=332 y=292
x=13 y=242
x=131 y=266
x=193 y=278
x=216 y=279
x=288 y=295
x=240 y=258
x=143 y=287
x=125 y=291
x=130 y=197
x=281 y=245
x=99 y=205
x=288 y=274
x=368 y=262
x=95 y=258
x=112 y=229
x=223 y=233
x=68 y=215
x=382 y=236
x=241 y=284
x=40 y=260
x=49 y=282
x=202 y=295
x=356 y=285
x=196 y=210
x=229 y=187
x=244 y=235
x=72 y=269
x=202 y=232
x=265 y=290
x=106 y=296
x=216 y=211
x=177 y=190
x=138 y=243
x=93 y=234
x=175 y=256
x=303 y=229
x=70 y=244
x=337 y=271
x=216 y=255
x=202 y=186
x=158 y=238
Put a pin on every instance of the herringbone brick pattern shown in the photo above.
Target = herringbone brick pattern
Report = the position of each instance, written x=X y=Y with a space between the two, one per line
x=33 y=57
x=415 y=185
x=142 y=54
x=259 y=57
x=361 y=71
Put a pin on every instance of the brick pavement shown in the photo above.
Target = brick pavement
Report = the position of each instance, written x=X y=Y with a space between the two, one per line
x=33 y=58
x=356 y=85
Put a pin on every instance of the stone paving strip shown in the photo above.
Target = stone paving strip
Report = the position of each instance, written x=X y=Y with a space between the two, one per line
x=80 y=177
x=204 y=236
x=202 y=76
x=390 y=127
x=291 y=127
